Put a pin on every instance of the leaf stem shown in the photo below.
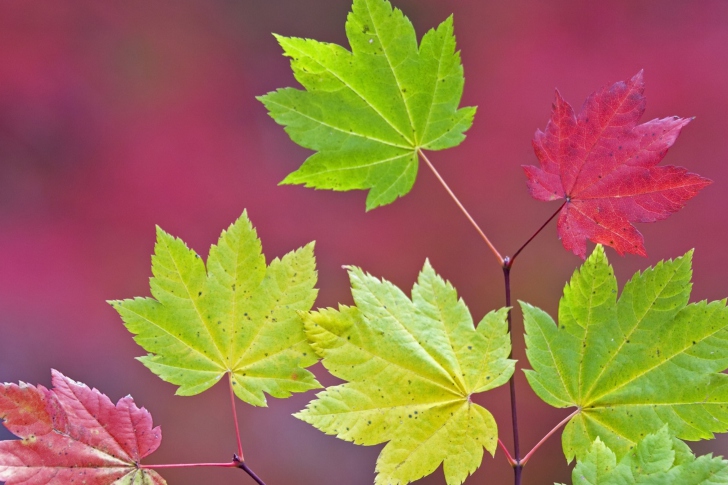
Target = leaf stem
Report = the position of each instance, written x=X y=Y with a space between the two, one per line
x=238 y=458
x=462 y=208
x=509 y=261
x=236 y=463
x=231 y=464
x=235 y=417
x=508 y=455
x=556 y=428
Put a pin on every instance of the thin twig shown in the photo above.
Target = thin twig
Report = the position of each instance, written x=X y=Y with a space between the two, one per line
x=556 y=428
x=241 y=464
x=510 y=260
x=507 y=264
x=235 y=417
x=462 y=208
x=512 y=381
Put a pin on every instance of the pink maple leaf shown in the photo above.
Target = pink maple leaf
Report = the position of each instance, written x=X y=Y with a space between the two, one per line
x=73 y=434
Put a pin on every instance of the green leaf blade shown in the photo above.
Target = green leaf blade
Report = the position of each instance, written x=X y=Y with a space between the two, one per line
x=599 y=467
x=412 y=366
x=235 y=317
x=649 y=300
x=444 y=124
x=550 y=366
x=655 y=460
x=273 y=358
x=489 y=355
x=236 y=267
x=385 y=40
x=192 y=379
x=157 y=332
x=367 y=112
x=619 y=360
x=179 y=282
x=452 y=434
x=587 y=311
x=396 y=329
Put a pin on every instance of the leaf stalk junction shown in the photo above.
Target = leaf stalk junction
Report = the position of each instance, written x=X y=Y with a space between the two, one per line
x=237 y=461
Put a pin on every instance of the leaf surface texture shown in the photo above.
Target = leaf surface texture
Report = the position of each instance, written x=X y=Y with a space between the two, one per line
x=605 y=166
x=73 y=434
x=411 y=367
x=367 y=112
x=656 y=460
x=236 y=316
x=631 y=364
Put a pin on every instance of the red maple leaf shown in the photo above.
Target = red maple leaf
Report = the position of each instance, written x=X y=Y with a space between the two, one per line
x=73 y=434
x=603 y=163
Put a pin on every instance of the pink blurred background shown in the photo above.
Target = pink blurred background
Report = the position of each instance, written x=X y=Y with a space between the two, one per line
x=116 y=116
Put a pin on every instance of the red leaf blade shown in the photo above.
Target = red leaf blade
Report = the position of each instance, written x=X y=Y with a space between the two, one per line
x=73 y=434
x=604 y=165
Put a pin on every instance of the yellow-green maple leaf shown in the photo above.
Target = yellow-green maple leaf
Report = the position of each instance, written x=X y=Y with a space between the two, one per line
x=235 y=317
x=412 y=367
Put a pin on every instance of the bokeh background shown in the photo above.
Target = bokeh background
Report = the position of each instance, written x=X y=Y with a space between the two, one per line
x=116 y=116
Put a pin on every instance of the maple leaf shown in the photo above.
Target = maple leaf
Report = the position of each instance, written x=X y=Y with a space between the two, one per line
x=657 y=459
x=412 y=367
x=631 y=364
x=73 y=434
x=603 y=164
x=368 y=111
x=236 y=317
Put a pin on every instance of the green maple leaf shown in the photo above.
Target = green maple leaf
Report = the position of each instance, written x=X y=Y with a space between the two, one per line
x=633 y=364
x=368 y=111
x=412 y=367
x=657 y=460
x=235 y=317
